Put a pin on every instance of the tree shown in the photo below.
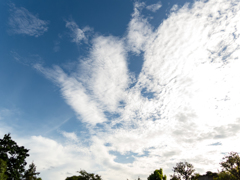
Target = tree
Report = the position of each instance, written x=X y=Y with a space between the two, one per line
x=14 y=156
x=3 y=169
x=212 y=174
x=231 y=164
x=184 y=170
x=195 y=176
x=209 y=174
x=223 y=175
x=157 y=175
x=31 y=173
x=84 y=176
x=175 y=177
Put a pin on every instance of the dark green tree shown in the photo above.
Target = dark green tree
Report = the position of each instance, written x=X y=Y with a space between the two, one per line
x=211 y=174
x=175 y=177
x=31 y=173
x=223 y=175
x=184 y=170
x=231 y=163
x=157 y=175
x=14 y=156
x=195 y=176
x=84 y=176
x=3 y=169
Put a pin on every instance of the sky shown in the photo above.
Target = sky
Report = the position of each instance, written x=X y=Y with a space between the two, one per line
x=120 y=87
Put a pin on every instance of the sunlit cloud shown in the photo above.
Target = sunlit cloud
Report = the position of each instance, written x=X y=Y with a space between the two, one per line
x=139 y=29
x=75 y=95
x=184 y=104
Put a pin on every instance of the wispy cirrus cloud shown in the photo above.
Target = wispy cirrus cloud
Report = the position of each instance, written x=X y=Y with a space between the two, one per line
x=78 y=34
x=21 y=21
x=99 y=83
x=75 y=94
x=71 y=136
x=154 y=7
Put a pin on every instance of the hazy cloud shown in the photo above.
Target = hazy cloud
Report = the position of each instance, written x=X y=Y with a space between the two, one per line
x=154 y=7
x=56 y=47
x=78 y=34
x=21 y=21
x=71 y=136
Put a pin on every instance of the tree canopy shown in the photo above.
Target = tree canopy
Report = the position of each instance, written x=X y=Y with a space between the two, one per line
x=85 y=176
x=157 y=175
x=231 y=163
x=3 y=169
x=12 y=161
x=184 y=170
x=14 y=156
x=31 y=173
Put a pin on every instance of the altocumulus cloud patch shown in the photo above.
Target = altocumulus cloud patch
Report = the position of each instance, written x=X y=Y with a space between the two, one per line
x=189 y=65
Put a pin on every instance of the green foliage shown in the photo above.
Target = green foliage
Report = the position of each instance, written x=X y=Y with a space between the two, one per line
x=175 y=177
x=211 y=174
x=84 y=176
x=12 y=161
x=157 y=175
x=208 y=174
x=3 y=169
x=223 y=175
x=14 y=155
x=195 y=176
x=184 y=170
x=72 y=178
x=31 y=173
x=231 y=164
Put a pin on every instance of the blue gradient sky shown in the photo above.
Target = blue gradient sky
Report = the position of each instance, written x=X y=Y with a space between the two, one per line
x=119 y=86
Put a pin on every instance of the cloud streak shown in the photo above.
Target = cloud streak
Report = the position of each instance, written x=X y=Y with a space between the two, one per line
x=154 y=7
x=75 y=95
x=21 y=21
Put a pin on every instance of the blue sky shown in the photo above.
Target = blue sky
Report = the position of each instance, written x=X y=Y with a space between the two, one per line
x=120 y=87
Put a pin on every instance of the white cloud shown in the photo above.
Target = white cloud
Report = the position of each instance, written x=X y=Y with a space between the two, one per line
x=59 y=160
x=174 y=8
x=139 y=29
x=78 y=34
x=154 y=7
x=75 y=95
x=71 y=136
x=192 y=85
x=191 y=71
x=100 y=82
x=21 y=21
x=106 y=72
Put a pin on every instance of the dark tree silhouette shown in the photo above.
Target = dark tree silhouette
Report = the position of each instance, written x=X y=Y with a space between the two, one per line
x=184 y=170
x=85 y=176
